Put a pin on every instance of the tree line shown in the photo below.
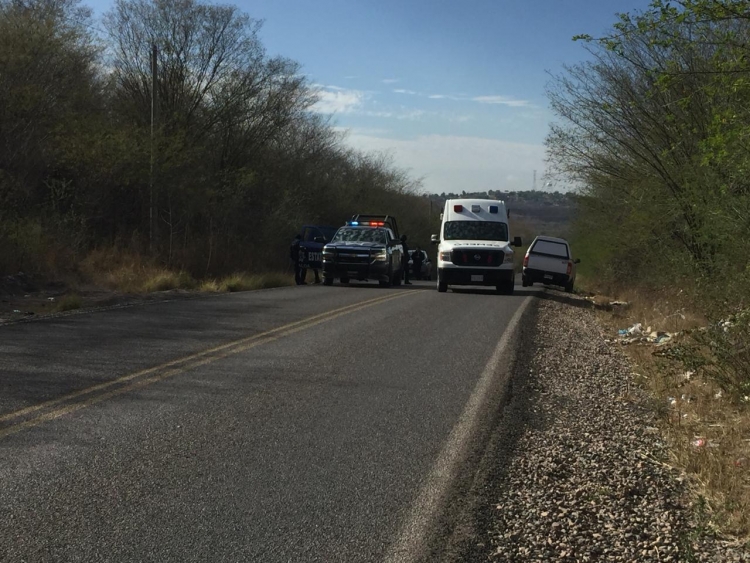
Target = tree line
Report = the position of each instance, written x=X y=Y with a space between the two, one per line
x=211 y=167
x=654 y=130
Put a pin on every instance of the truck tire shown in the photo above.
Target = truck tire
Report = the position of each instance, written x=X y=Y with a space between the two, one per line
x=387 y=283
x=442 y=286
x=505 y=288
x=398 y=278
x=525 y=282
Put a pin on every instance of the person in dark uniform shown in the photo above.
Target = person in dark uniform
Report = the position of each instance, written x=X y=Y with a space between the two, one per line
x=405 y=260
x=416 y=258
x=299 y=272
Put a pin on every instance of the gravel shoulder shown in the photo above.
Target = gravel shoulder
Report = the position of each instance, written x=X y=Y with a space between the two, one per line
x=576 y=471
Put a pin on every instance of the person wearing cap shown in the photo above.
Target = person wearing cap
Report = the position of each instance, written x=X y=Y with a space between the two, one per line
x=405 y=260
x=416 y=258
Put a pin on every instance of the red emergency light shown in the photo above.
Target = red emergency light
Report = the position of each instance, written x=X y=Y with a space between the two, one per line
x=458 y=208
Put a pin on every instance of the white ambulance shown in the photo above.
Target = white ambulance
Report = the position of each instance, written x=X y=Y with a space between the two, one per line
x=475 y=245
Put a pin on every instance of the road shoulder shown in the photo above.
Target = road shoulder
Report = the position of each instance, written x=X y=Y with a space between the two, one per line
x=576 y=469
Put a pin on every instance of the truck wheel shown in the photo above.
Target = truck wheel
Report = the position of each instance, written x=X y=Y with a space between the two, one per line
x=505 y=288
x=524 y=281
x=387 y=283
x=344 y=280
x=442 y=286
x=327 y=281
x=398 y=278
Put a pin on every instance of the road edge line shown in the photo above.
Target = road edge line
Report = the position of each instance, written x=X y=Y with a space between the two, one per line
x=415 y=530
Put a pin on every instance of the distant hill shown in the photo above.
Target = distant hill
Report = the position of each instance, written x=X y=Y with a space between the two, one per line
x=533 y=212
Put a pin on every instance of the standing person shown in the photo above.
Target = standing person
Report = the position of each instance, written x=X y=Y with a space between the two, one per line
x=299 y=273
x=405 y=260
x=416 y=258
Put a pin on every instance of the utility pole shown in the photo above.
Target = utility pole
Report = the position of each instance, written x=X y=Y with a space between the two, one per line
x=152 y=197
x=533 y=187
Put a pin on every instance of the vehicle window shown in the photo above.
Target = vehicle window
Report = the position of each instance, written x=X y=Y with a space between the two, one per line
x=328 y=232
x=475 y=230
x=309 y=234
x=552 y=248
x=353 y=234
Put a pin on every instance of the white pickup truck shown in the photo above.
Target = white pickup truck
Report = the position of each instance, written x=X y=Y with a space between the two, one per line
x=548 y=260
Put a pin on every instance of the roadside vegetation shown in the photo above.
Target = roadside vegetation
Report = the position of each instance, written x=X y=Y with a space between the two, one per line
x=654 y=131
x=236 y=161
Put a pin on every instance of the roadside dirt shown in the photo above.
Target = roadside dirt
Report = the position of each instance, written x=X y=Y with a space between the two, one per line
x=23 y=297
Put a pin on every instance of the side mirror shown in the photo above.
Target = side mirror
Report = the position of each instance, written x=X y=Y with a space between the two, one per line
x=320 y=240
x=435 y=239
x=577 y=261
x=517 y=241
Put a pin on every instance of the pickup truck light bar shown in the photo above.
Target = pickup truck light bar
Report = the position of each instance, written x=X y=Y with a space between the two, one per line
x=365 y=223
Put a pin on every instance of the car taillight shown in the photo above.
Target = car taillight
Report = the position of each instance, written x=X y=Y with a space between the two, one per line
x=570 y=267
x=525 y=261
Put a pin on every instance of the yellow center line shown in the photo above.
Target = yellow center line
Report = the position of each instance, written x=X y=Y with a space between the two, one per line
x=188 y=362
x=197 y=355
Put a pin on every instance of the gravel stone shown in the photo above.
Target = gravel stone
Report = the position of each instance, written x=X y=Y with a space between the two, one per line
x=585 y=482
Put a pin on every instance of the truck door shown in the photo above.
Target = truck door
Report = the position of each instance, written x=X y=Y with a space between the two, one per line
x=312 y=251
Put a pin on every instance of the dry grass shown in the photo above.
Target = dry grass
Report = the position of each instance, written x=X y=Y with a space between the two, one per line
x=707 y=428
x=245 y=282
x=68 y=303
x=131 y=273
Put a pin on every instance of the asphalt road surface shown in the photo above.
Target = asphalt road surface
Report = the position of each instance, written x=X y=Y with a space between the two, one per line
x=299 y=424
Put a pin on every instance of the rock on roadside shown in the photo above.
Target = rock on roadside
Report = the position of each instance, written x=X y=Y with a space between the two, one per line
x=585 y=482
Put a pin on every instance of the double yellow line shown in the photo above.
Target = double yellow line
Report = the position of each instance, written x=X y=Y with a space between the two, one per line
x=49 y=410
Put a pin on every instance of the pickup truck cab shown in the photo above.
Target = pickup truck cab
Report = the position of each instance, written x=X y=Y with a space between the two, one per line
x=314 y=238
x=366 y=248
x=474 y=245
x=548 y=260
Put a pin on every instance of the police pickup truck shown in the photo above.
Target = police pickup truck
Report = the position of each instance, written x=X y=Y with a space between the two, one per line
x=366 y=248
x=314 y=238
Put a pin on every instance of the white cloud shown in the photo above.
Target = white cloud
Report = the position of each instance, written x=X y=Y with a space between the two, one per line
x=453 y=163
x=332 y=99
x=413 y=114
x=390 y=80
x=503 y=100
x=410 y=92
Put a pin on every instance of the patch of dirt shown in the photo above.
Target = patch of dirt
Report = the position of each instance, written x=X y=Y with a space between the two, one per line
x=24 y=297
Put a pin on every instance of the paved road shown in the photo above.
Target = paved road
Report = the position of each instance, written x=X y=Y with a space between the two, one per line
x=298 y=424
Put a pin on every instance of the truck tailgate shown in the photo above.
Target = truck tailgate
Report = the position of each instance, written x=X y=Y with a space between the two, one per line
x=546 y=263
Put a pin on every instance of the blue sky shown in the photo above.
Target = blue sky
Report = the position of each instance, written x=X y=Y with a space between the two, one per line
x=453 y=90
